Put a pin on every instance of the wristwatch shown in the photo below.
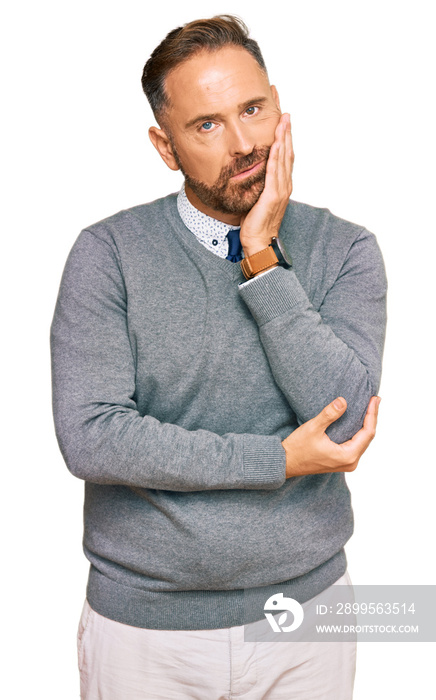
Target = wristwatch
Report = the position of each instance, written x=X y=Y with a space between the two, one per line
x=275 y=254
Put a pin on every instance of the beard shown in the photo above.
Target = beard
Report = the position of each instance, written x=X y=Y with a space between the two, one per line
x=224 y=195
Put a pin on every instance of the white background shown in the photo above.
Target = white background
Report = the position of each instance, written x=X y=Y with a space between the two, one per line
x=358 y=80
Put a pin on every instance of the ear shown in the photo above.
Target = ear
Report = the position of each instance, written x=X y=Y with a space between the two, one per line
x=275 y=95
x=163 y=146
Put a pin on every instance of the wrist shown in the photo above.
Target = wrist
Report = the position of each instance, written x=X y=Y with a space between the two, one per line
x=253 y=247
x=259 y=262
x=266 y=269
x=266 y=258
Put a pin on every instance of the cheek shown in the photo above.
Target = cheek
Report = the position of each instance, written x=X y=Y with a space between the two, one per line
x=204 y=166
x=268 y=127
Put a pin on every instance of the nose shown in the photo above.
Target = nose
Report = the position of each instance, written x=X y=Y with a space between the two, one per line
x=240 y=141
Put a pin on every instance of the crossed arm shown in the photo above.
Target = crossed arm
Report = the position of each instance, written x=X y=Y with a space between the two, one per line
x=103 y=437
x=308 y=449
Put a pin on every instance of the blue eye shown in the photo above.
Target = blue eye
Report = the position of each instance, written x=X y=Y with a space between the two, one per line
x=207 y=126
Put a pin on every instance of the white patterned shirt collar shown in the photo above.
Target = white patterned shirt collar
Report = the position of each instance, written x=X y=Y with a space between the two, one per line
x=212 y=233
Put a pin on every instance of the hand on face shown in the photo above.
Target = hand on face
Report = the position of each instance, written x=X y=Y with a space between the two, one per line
x=263 y=221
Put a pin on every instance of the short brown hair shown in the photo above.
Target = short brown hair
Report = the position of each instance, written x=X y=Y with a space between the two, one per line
x=183 y=42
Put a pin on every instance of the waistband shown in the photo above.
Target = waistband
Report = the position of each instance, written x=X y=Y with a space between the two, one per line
x=191 y=610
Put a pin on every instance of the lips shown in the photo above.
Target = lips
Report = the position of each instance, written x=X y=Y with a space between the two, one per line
x=248 y=171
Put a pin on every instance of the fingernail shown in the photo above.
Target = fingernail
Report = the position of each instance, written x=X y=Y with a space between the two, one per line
x=338 y=404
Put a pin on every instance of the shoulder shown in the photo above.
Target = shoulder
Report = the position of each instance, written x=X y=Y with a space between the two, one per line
x=114 y=241
x=137 y=219
x=309 y=225
x=324 y=246
x=312 y=231
x=129 y=233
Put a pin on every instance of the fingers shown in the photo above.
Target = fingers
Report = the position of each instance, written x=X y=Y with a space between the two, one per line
x=310 y=451
x=265 y=218
x=289 y=150
x=278 y=182
x=373 y=407
x=281 y=154
x=370 y=420
x=363 y=438
x=286 y=155
x=273 y=158
x=330 y=413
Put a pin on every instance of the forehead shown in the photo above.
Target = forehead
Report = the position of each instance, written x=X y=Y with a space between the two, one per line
x=214 y=82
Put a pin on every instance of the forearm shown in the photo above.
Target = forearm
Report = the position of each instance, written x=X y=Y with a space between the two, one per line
x=103 y=436
x=333 y=347
x=317 y=355
x=117 y=446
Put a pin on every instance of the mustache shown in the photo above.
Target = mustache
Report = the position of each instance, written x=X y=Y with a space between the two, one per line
x=242 y=163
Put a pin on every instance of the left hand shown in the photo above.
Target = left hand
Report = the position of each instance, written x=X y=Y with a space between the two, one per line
x=310 y=451
x=263 y=221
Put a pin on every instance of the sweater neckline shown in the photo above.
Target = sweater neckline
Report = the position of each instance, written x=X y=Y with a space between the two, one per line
x=191 y=242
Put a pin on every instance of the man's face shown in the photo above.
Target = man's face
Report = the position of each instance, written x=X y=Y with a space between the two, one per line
x=221 y=122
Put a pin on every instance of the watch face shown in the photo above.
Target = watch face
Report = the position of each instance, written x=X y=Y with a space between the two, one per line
x=283 y=256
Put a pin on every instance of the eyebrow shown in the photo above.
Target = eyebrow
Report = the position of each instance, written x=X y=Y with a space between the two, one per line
x=217 y=115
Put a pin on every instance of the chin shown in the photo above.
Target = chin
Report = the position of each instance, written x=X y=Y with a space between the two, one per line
x=243 y=198
x=229 y=197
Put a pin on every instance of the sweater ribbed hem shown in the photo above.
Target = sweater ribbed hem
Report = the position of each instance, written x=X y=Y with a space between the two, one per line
x=190 y=610
x=273 y=294
x=264 y=462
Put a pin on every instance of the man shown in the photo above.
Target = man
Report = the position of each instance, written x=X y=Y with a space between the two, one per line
x=196 y=370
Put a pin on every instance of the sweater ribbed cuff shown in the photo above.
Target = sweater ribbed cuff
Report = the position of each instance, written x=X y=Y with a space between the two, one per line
x=264 y=462
x=273 y=295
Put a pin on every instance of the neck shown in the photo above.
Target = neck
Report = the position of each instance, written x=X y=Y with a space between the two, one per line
x=233 y=219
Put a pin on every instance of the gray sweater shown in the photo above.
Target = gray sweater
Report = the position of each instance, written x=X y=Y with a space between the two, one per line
x=173 y=388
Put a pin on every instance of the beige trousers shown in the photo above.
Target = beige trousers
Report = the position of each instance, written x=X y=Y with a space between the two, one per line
x=120 y=662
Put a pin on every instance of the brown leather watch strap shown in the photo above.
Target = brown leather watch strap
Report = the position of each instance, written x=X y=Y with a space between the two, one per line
x=258 y=262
